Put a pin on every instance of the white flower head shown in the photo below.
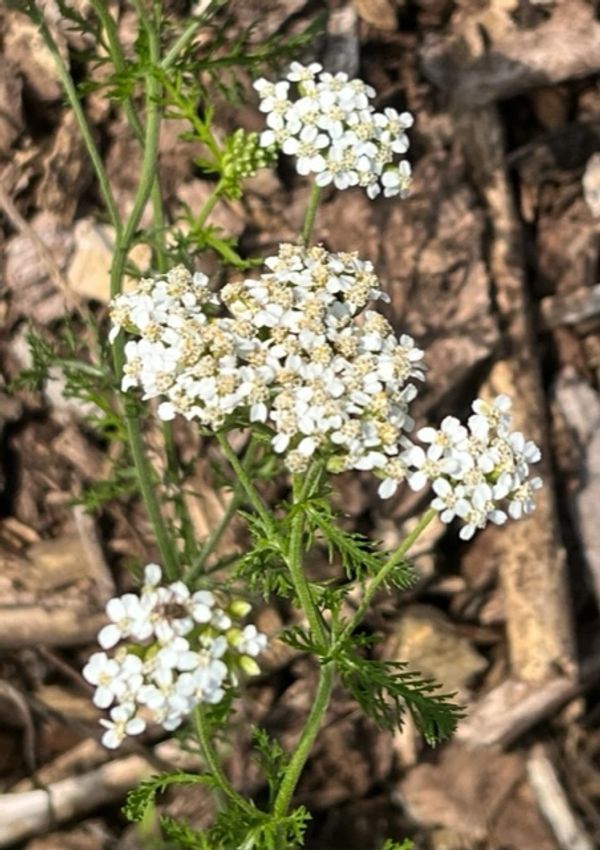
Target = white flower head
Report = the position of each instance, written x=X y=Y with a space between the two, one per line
x=328 y=122
x=178 y=654
x=480 y=473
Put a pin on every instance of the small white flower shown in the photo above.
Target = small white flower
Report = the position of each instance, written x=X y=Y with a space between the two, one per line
x=102 y=671
x=251 y=642
x=122 y=723
x=128 y=617
x=449 y=500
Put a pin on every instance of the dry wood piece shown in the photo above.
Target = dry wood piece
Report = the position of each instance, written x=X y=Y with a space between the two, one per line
x=378 y=13
x=343 y=48
x=474 y=795
x=579 y=405
x=33 y=273
x=512 y=708
x=564 y=47
x=591 y=184
x=29 y=625
x=11 y=116
x=583 y=305
x=554 y=804
x=531 y=555
x=32 y=812
x=97 y=566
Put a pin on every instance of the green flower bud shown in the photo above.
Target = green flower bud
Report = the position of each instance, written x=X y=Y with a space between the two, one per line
x=239 y=608
x=249 y=665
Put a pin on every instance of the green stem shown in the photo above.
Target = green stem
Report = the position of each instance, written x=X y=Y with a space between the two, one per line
x=212 y=763
x=307 y=739
x=212 y=541
x=174 y=478
x=120 y=65
x=244 y=479
x=84 y=128
x=311 y=211
x=181 y=43
x=208 y=207
x=147 y=484
x=125 y=238
x=148 y=171
x=119 y=62
x=295 y=566
x=385 y=570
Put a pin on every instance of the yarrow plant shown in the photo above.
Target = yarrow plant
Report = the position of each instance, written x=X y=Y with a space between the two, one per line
x=296 y=358
x=328 y=122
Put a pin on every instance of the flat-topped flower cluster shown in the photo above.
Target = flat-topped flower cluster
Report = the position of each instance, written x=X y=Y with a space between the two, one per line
x=175 y=650
x=327 y=121
x=298 y=351
x=479 y=473
x=295 y=349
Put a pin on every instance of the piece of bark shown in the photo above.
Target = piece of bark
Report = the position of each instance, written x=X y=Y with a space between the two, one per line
x=564 y=47
x=67 y=172
x=577 y=307
x=511 y=709
x=591 y=184
x=97 y=567
x=531 y=554
x=88 y=271
x=342 y=52
x=11 y=113
x=24 y=47
x=15 y=712
x=33 y=271
x=29 y=625
x=579 y=404
x=32 y=812
x=378 y=13
x=468 y=792
x=554 y=804
x=28 y=813
x=427 y=641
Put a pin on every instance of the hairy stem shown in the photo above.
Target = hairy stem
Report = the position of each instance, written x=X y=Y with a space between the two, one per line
x=84 y=128
x=247 y=485
x=393 y=561
x=125 y=237
x=174 y=480
x=307 y=739
x=124 y=240
x=181 y=43
x=295 y=565
x=212 y=762
x=208 y=206
x=120 y=65
x=311 y=211
x=302 y=486
x=147 y=485
x=212 y=541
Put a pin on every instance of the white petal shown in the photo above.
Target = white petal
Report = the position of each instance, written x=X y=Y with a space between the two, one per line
x=109 y=636
x=387 y=488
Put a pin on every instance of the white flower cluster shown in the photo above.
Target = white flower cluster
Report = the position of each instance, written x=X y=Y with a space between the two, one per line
x=181 y=650
x=328 y=122
x=295 y=349
x=479 y=473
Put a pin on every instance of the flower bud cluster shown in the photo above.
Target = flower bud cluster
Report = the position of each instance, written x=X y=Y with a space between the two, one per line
x=243 y=157
x=327 y=121
x=295 y=349
x=480 y=472
x=177 y=649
